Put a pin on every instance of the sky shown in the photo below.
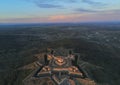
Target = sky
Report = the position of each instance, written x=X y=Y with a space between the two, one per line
x=48 y=11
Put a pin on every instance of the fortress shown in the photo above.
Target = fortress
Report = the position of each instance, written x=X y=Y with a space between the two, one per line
x=60 y=69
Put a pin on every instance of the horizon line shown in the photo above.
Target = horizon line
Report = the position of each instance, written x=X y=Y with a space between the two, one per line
x=20 y=23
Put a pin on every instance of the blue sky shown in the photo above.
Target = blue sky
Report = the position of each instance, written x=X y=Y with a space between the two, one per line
x=37 y=11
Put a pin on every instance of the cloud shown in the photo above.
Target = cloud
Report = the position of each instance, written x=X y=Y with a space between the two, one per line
x=51 y=3
x=91 y=11
x=85 y=10
x=95 y=3
x=108 y=15
x=48 y=6
x=61 y=3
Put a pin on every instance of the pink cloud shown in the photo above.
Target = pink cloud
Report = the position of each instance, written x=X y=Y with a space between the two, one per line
x=99 y=16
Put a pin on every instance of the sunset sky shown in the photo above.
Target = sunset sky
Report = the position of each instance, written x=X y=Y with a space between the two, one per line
x=45 y=11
